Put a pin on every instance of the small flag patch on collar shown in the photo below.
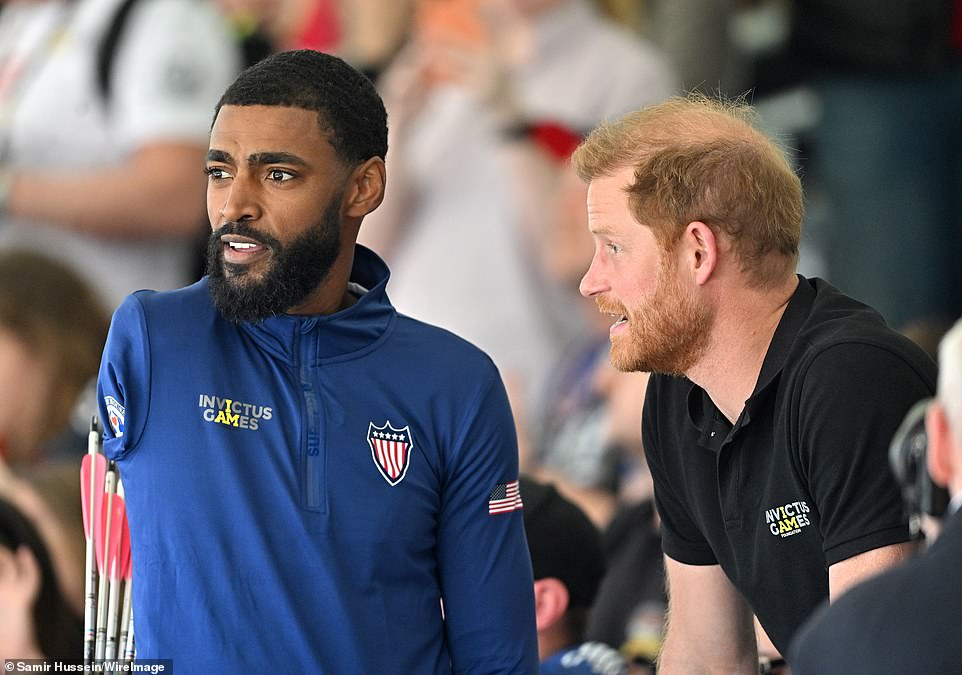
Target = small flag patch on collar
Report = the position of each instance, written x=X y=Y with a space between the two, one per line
x=504 y=498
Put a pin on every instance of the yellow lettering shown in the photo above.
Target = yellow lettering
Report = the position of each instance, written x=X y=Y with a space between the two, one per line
x=788 y=524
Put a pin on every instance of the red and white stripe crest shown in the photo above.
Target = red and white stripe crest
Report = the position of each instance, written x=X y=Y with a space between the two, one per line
x=391 y=450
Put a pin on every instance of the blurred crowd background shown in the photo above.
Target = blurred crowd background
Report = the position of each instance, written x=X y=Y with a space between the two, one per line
x=105 y=106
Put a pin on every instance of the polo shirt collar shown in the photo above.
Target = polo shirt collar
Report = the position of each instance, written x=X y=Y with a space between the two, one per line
x=701 y=409
x=786 y=333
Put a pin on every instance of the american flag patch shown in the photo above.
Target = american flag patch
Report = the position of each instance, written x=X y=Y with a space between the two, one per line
x=504 y=498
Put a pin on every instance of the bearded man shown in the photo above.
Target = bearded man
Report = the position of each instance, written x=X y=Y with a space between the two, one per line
x=309 y=474
x=767 y=422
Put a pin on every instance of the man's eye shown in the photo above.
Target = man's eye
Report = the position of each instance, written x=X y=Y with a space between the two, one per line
x=614 y=248
x=215 y=173
x=279 y=175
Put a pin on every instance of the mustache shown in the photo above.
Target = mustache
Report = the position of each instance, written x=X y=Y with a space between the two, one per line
x=606 y=306
x=244 y=230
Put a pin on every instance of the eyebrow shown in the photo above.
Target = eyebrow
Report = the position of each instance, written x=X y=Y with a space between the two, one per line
x=258 y=158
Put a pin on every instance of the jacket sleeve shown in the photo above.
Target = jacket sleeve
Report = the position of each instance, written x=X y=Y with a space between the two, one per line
x=483 y=559
x=123 y=385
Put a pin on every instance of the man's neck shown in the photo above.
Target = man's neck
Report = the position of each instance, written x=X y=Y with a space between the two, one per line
x=333 y=293
x=743 y=331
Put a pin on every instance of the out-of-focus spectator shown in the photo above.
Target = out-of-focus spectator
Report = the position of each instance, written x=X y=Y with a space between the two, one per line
x=273 y=26
x=629 y=611
x=52 y=332
x=568 y=562
x=884 y=154
x=584 y=432
x=697 y=36
x=365 y=33
x=477 y=77
x=584 y=436
x=49 y=495
x=105 y=107
x=372 y=32
x=879 y=151
x=35 y=621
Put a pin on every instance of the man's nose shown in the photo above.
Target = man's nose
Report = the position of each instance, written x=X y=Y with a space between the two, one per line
x=240 y=203
x=592 y=283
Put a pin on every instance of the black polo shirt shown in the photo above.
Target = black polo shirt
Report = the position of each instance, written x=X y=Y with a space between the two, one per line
x=801 y=481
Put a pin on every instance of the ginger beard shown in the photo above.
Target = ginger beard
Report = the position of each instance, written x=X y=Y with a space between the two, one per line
x=295 y=269
x=667 y=334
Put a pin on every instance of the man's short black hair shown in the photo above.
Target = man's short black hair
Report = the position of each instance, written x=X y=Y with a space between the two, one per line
x=349 y=108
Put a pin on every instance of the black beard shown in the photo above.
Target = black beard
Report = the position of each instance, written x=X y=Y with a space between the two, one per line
x=294 y=272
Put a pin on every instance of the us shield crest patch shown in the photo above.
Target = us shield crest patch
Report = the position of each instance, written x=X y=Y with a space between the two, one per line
x=391 y=450
x=115 y=415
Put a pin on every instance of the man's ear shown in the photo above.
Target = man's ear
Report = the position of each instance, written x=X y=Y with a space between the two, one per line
x=938 y=454
x=550 y=602
x=700 y=250
x=365 y=188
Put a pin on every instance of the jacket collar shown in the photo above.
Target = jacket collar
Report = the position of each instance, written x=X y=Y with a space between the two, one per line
x=342 y=335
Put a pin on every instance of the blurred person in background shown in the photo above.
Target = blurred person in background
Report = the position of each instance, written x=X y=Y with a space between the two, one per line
x=884 y=155
x=104 y=116
x=35 y=620
x=49 y=496
x=573 y=437
x=873 y=91
x=568 y=561
x=52 y=333
x=264 y=27
x=365 y=33
x=584 y=436
x=476 y=78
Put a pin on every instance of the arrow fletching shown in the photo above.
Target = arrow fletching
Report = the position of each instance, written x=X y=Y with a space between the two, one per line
x=115 y=563
x=91 y=488
x=93 y=470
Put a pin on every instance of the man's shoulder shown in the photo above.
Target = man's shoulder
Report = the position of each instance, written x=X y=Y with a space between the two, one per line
x=194 y=297
x=835 y=316
x=838 y=323
x=442 y=345
x=167 y=309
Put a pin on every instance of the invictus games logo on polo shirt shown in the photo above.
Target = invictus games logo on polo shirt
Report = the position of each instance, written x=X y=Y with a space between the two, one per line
x=233 y=413
x=787 y=519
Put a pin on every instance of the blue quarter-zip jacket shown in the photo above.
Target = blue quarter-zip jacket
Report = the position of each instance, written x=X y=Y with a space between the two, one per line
x=303 y=492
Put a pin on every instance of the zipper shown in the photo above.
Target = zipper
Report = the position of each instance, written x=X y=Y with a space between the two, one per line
x=312 y=464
